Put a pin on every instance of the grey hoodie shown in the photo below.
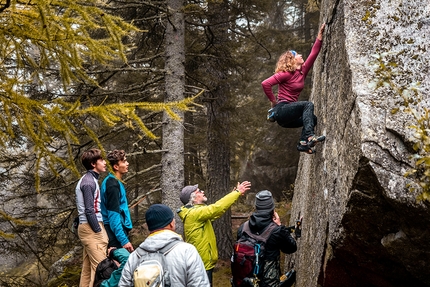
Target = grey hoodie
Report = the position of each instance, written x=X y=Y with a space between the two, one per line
x=183 y=262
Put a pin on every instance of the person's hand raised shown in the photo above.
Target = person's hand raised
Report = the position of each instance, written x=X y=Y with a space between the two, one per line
x=320 y=33
x=243 y=187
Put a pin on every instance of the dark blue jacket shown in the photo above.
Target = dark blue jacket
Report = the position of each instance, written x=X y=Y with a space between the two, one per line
x=279 y=240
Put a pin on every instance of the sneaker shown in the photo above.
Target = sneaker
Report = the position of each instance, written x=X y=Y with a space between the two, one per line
x=271 y=115
x=314 y=140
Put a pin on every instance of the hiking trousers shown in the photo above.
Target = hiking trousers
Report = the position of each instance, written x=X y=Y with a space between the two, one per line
x=296 y=115
x=95 y=248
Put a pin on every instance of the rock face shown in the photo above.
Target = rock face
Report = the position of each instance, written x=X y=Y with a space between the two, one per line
x=362 y=226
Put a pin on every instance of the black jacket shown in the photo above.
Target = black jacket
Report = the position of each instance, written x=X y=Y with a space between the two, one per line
x=279 y=240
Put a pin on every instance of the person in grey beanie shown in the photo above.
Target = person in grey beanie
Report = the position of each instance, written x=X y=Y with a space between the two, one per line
x=280 y=238
x=183 y=261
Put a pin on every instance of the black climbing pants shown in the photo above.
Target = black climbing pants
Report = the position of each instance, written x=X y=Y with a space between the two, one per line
x=295 y=115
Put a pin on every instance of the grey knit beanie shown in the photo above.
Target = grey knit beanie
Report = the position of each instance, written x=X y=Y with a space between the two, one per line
x=186 y=193
x=264 y=201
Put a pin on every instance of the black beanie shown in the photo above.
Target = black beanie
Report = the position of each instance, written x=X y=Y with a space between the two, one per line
x=264 y=201
x=158 y=216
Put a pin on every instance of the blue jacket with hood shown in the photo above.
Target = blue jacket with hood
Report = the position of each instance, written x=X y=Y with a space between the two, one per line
x=114 y=208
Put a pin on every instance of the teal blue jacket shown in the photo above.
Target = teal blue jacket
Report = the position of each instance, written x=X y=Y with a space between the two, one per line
x=121 y=255
x=114 y=208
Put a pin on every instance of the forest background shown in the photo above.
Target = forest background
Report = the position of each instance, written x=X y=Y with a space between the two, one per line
x=175 y=84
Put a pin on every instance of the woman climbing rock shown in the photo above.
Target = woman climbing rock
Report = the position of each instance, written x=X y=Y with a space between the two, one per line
x=291 y=71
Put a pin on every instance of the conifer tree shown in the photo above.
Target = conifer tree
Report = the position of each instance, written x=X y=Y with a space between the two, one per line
x=39 y=38
x=50 y=53
x=172 y=178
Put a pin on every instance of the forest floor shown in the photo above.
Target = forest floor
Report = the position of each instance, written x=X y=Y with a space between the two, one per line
x=222 y=274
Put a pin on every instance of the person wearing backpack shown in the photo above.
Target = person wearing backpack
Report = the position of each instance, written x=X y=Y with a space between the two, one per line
x=198 y=216
x=180 y=262
x=263 y=227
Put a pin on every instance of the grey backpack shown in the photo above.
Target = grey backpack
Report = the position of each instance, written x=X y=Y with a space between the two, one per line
x=152 y=271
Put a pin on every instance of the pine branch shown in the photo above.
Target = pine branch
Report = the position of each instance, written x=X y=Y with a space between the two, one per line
x=5 y=6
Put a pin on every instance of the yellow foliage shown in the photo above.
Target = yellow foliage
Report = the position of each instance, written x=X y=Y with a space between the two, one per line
x=15 y=221
x=60 y=34
x=39 y=33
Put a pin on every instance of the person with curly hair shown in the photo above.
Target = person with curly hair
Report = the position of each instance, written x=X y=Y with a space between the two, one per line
x=287 y=111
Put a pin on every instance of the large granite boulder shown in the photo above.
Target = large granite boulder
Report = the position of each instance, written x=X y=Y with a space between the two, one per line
x=362 y=226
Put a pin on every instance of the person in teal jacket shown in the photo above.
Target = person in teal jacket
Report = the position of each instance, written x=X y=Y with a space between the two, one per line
x=121 y=256
x=197 y=218
x=114 y=204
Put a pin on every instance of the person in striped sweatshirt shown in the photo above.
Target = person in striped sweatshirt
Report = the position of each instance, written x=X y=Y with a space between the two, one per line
x=91 y=231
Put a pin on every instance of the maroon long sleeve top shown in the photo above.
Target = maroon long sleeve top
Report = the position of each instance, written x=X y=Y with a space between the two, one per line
x=290 y=84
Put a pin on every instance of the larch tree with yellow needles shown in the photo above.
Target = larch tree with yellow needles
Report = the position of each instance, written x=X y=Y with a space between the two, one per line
x=52 y=47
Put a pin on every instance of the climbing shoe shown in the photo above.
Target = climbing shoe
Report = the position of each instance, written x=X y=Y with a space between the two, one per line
x=314 y=140
x=304 y=147
x=271 y=115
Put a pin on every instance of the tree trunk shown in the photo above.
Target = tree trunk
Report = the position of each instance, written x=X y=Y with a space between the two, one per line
x=172 y=178
x=219 y=123
x=307 y=26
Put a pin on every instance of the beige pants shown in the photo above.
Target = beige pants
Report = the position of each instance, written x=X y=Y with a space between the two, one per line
x=95 y=248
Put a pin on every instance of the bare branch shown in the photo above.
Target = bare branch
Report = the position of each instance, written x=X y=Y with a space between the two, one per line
x=139 y=199
x=155 y=166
